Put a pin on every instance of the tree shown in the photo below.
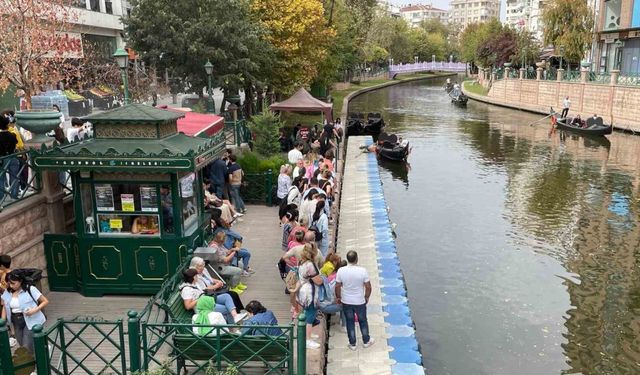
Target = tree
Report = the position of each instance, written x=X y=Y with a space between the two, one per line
x=220 y=31
x=299 y=32
x=426 y=44
x=474 y=36
x=568 y=23
x=33 y=46
x=499 y=48
x=265 y=128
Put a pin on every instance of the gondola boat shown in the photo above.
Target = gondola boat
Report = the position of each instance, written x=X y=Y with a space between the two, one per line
x=357 y=125
x=460 y=100
x=389 y=147
x=594 y=126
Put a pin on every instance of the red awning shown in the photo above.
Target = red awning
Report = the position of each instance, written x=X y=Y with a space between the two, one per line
x=199 y=124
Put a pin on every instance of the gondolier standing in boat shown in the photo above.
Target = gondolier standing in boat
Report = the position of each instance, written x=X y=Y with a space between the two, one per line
x=566 y=103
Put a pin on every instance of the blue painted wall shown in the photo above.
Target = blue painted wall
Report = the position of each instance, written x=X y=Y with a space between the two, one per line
x=635 y=19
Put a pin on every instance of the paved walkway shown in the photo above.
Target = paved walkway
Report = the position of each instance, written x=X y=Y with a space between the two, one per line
x=262 y=236
x=364 y=226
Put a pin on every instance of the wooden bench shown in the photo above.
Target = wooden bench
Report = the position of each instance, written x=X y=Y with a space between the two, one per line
x=189 y=349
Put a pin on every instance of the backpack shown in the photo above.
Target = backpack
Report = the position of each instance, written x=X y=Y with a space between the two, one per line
x=326 y=295
x=314 y=228
x=292 y=280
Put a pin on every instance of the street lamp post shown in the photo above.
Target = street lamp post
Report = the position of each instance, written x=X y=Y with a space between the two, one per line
x=415 y=58
x=561 y=55
x=211 y=105
x=620 y=44
x=433 y=59
x=122 y=58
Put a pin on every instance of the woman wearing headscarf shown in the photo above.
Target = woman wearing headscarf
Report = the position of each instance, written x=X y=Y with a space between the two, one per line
x=206 y=317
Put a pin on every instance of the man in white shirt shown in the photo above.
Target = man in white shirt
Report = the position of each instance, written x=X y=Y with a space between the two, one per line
x=296 y=153
x=353 y=289
x=566 y=103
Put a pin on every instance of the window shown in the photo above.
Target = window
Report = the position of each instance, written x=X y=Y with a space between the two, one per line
x=131 y=209
x=188 y=197
x=612 y=14
x=94 y=5
x=108 y=7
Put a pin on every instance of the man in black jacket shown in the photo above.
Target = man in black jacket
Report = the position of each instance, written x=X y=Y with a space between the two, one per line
x=8 y=142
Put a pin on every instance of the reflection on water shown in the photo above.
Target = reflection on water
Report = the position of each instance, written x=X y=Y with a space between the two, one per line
x=519 y=245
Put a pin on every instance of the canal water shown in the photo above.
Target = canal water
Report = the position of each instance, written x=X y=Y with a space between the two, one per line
x=519 y=247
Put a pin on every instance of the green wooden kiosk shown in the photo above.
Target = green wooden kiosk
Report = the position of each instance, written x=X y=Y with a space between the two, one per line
x=137 y=194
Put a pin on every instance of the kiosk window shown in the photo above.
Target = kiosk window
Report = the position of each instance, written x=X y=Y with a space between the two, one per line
x=166 y=202
x=114 y=224
x=87 y=209
x=190 y=207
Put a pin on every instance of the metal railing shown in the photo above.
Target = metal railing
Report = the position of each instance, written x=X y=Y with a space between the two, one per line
x=259 y=187
x=237 y=132
x=603 y=79
x=629 y=80
x=18 y=177
x=572 y=76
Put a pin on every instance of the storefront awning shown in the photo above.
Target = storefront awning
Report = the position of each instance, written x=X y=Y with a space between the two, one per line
x=199 y=124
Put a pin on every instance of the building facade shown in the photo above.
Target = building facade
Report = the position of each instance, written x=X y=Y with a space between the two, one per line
x=617 y=39
x=464 y=12
x=100 y=22
x=387 y=7
x=525 y=14
x=416 y=14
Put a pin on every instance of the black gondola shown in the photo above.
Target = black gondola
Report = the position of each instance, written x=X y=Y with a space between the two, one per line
x=460 y=100
x=594 y=126
x=390 y=148
x=358 y=126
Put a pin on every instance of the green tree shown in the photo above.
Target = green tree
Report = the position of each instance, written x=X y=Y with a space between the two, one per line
x=568 y=23
x=474 y=36
x=220 y=31
x=265 y=128
x=426 y=44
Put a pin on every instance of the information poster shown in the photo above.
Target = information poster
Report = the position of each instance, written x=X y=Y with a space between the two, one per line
x=104 y=198
x=148 y=199
x=127 y=202
x=115 y=223
x=186 y=185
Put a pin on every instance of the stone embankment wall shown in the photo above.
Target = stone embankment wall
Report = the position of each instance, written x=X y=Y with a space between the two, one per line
x=24 y=223
x=616 y=104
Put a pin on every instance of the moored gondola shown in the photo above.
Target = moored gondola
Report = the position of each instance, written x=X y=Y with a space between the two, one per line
x=593 y=126
x=392 y=148
x=357 y=125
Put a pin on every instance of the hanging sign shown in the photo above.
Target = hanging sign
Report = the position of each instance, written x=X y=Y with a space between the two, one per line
x=127 y=202
x=104 y=198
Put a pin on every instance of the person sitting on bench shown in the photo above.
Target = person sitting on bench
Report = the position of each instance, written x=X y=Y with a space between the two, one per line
x=190 y=294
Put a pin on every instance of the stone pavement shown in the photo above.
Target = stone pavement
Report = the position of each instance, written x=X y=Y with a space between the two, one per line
x=364 y=227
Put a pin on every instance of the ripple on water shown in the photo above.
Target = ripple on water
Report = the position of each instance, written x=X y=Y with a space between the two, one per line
x=519 y=247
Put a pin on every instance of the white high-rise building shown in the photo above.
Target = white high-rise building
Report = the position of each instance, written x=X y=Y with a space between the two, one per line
x=464 y=12
x=387 y=7
x=100 y=21
x=525 y=14
x=417 y=13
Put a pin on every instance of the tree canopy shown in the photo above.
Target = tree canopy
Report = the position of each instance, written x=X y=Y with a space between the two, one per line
x=219 y=31
x=568 y=23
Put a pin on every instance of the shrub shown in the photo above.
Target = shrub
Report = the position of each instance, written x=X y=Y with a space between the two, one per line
x=251 y=162
x=265 y=129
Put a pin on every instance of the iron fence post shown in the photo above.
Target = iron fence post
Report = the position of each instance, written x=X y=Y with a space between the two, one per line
x=6 y=360
x=269 y=187
x=134 y=341
x=41 y=350
x=302 y=345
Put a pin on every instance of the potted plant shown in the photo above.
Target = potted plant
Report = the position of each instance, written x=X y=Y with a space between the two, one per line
x=39 y=122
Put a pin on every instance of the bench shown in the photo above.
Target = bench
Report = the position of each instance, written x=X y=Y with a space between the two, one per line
x=189 y=349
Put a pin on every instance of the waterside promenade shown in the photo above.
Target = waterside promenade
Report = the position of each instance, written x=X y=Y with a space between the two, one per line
x=364 y=226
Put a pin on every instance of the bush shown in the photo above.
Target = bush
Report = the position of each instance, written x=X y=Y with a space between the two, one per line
x=251 y=162
x=265 y=129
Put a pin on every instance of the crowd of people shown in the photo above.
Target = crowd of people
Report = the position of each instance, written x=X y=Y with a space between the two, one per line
x=317 y=279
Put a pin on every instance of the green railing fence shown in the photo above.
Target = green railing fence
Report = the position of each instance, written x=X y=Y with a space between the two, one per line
x=237 y=132
x=18 y=178
x=259 y=187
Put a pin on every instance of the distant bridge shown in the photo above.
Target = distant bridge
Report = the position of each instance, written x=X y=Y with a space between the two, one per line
x=454 y=67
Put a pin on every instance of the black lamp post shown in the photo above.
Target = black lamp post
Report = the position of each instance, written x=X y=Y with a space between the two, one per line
x=211 y=105
x=122 y=58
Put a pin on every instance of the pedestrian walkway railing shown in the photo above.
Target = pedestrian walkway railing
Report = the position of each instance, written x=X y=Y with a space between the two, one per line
x=153 y=340
x=629 y=80
x=572 y=76
x=259 y=187
x=18 y=178
x=237 y=132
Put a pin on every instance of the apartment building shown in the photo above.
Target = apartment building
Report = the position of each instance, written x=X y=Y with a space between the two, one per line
x=387 y=7
x=99 y=22
x=617 y=40
x=416 y=14
x=464 y=12
x=525 y=14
